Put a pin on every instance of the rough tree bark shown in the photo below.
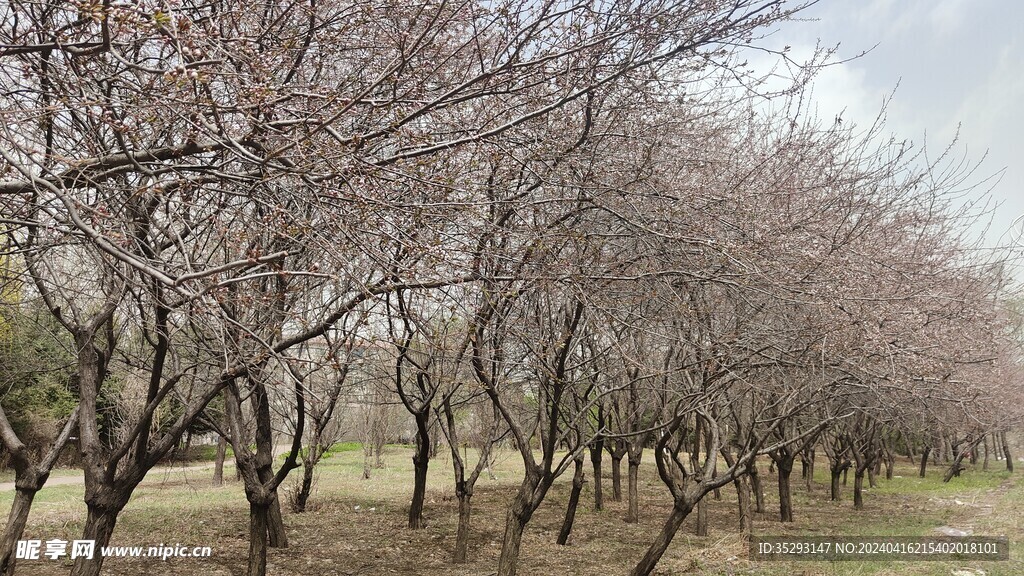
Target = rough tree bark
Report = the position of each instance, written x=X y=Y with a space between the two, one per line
x=218 y=463
x=574 y=500
x=957 y=466
x=617 y=450
x=633 y=510
x=758 y=488
x=1006 y=451
x=28 y=480
x=596 y=452
x=742 y=485
x=784 y=459
x=420 y=461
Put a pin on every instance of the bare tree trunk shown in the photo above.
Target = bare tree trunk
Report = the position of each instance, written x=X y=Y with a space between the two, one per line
x=809 y=472
x=574 y=500
x=28 y=479
x=420 y=461
x=984 y=463
x=16 y=520
x=218 y=463
x=755 y=482
x=717 y=491
x=462 y=534
x=742 y=485
x=890 y=461
x=99 y=525
x=924 y=460
x=657 y=548
x=306 y=486
x=957 y=465
x=858 y=487
x=258 y=531
x=616 y=449
x=701 y=527
x=367 y=455
x=518 y=516
x=617 y=479
x=276 y=535
x=836 y=472
x=785 y=495
x=633 y=512
x=510 y=545
x=596 y=452
x=1006 y=451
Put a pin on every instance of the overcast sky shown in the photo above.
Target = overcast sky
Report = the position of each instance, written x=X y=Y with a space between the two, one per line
x=957 y=62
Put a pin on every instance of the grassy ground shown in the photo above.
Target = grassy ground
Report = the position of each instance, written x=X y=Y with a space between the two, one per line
x=357 y=526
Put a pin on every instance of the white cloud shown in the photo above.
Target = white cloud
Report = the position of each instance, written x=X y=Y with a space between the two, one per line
x=947 y=17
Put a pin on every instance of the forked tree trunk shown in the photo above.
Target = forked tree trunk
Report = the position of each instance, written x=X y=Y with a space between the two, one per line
x=574 y=500
x=836 y=472
x=657 y=548
x=957 y=466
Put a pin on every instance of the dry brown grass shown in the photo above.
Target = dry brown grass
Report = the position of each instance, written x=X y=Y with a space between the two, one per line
x=357 y=526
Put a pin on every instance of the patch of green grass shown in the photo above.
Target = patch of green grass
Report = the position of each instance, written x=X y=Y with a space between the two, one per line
x=336 y=448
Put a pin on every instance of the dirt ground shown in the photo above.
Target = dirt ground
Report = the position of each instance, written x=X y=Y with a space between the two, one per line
x=357 y=526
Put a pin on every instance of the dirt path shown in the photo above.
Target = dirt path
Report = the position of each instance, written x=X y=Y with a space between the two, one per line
x=974 y=510
x=157 y=474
